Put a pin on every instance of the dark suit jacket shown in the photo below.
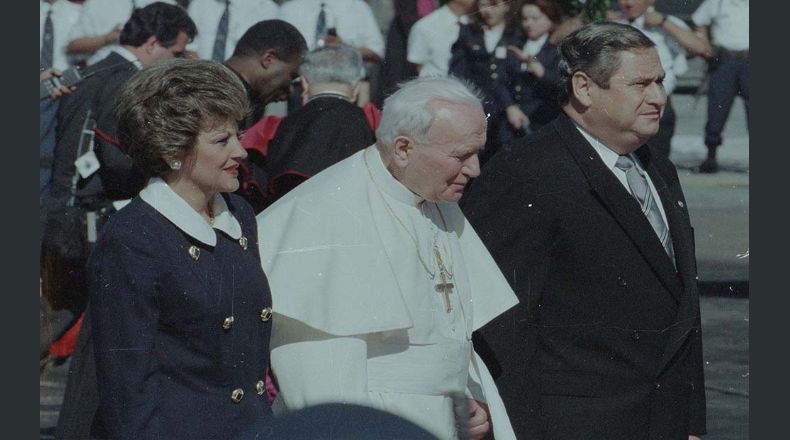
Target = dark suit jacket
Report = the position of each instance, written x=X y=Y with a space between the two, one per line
x=605 y=343
x=166 y=366
x=117 y=178
x=320 y=134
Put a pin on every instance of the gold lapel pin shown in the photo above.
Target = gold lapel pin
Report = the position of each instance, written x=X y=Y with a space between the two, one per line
x=243 y=242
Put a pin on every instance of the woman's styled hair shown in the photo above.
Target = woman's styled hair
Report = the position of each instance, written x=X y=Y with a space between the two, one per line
x=162 y=109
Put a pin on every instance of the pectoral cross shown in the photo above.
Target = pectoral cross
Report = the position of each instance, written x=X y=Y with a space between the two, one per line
x=445 y=289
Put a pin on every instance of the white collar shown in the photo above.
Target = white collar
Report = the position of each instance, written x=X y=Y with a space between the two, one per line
x=532 y=47
x=167 y=202
x=385 y=181
x=330 y=94
x=608 y=156
x=126 y=53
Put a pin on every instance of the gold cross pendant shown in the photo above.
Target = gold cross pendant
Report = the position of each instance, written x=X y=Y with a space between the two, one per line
x=445 y=289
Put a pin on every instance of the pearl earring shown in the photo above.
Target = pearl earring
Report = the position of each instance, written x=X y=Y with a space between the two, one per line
x=175 y=164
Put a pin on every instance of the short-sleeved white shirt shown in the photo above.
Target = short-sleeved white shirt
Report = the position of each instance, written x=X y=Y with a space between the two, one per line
x=64 y=15
x=242 y=14
x=431 y=40
x=728 y=21
x=101 y=16
x=352 y=19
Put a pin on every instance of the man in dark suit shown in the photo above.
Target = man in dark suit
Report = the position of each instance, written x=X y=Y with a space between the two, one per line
x=591 y=229
x=154 y=33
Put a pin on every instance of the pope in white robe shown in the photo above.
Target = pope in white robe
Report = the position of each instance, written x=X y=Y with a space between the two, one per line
x=378 y=280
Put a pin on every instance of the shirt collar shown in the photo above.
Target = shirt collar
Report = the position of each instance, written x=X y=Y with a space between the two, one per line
x=126 y=53
x=533 y=47
x=608 y=156
x=167 y=202
x=385 y=181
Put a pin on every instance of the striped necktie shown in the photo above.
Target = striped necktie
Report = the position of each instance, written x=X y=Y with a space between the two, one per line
x=47 y=43
x=641 y=192
x=222 y=35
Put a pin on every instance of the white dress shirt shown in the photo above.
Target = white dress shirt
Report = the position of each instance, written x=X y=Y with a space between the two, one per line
x=99 y=17
x=728 y=21
x=64 y=16
x=242 y=15
x=431 y=40
x=352 y=19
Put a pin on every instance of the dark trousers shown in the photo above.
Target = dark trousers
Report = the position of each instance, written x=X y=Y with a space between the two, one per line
x=730 y=78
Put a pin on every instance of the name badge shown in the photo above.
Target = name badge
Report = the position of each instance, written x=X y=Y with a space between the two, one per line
x=87 y=164
x=500 y=52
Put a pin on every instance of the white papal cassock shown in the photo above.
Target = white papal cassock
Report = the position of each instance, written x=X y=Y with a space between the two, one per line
x=357 y=316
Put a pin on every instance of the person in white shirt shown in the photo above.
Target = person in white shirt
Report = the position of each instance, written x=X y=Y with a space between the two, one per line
x=97 y=31
x=242 y=14
x=56 y=17
x=377 y=279
x=63 y=15
x=642 y=15
x=723 y=24
x=432 y=37
x=352 y=20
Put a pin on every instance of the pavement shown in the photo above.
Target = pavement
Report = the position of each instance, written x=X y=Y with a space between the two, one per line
x=719 y=210
x=718 y=203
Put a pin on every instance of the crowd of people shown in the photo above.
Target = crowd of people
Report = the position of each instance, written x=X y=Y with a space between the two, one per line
x=469 y=229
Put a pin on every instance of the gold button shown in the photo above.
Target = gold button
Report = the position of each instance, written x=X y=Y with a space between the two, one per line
x=260 y=387
x=227 y=323
x=194 y=252
x=475 y=47
x=494 y=75
x=266 y=314
x=243 y=243
x=236 y=395
x=518 y=88
x=493 y=66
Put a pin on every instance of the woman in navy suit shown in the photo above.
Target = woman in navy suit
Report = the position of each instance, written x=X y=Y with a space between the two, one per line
x=180 y=305
x=480 y=56
x=535 y=70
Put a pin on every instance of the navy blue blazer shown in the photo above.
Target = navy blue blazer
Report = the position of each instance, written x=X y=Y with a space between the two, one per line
x=537 y=97
x=168 y=365
x=470 y=60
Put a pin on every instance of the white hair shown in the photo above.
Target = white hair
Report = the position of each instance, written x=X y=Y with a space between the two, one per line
x=338 y=63
x=407 y=113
